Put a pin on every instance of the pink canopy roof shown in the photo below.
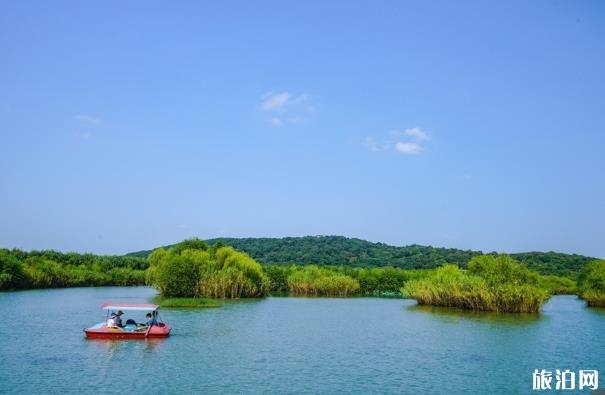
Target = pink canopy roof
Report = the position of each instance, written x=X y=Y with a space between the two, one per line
x=129 y=306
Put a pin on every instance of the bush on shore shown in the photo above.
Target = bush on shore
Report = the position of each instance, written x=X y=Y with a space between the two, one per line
x=558 y=285
x=591 y=283
x=314 y=281
x=492 y=283
x=52 y=269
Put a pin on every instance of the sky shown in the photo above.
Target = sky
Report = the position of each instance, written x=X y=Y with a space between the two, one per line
x=475 y=125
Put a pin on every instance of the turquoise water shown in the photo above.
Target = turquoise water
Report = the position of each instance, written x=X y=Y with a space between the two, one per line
x=291 y=345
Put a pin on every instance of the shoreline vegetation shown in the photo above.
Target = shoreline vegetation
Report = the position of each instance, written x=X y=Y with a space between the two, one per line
x=52 y=269
x=195 y=274
x=187 y=303
x=357 y=253
x=592 y=284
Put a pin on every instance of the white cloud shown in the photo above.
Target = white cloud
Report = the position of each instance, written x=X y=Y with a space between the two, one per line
x=408 y=148
x=275 y=102
x=293 y=107
x=407 y=142
x=87 y=119
x=417 y=134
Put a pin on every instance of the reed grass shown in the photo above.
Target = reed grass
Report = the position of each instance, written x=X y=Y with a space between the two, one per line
x=314 y=281
x=558 y=285
x=491 y=284
x=197 y=271
x=187 y=303
x=591 y=284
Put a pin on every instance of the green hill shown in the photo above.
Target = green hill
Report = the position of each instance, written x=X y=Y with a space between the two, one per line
x=338 y=250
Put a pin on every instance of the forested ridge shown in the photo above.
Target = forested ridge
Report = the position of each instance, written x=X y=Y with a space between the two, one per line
x=280 y=259
x=352 y=252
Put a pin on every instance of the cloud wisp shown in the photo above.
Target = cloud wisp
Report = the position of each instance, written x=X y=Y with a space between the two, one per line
x=405 y=142
x=285 y=107
x=87 y=119
x=408 y=148
x=417 y=134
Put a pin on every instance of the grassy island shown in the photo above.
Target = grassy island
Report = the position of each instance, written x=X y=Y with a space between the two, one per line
x=174 y=303
x=192 y=269
x=491 y=283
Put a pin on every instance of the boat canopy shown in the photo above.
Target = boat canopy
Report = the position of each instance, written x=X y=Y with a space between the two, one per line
x=130 y=306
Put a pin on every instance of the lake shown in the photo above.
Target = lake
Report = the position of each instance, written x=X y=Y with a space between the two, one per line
x=291 y=345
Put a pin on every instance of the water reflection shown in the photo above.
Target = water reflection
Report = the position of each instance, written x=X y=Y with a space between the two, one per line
x=597 y=311
x=112 y=347
x=452 y=315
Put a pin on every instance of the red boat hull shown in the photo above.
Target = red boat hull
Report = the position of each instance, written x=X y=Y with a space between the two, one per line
x=105 y=332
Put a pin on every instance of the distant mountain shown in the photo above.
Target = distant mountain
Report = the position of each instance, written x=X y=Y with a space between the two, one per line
x=339 y=250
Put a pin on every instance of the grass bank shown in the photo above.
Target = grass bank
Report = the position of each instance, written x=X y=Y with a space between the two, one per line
x=591 y=284
x=172 y=303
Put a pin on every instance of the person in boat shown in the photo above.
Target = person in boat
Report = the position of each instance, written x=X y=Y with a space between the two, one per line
x=117 y=321
x=150 y=319
x=111 y=322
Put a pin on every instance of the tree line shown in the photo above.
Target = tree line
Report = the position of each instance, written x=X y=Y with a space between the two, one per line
x=352 y=252
x=52 y=269
x=192 y=268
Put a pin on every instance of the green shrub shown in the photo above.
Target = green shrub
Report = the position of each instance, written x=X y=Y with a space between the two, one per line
x=502 y=269
x=12 y=274
x=558 y=285
x=233 y=274
x=53 y=269
x=278 y=277
x=176 y=272
x=190 y=244
x=314 y=281
x=216 y=273
x=44 y=273
x=591 y=283
x=492 y=283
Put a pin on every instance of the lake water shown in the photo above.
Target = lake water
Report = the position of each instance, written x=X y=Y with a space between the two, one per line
x=291 y=345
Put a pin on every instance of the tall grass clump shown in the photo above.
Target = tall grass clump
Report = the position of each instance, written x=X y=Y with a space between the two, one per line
x=491 y=283
x=559 y=285
x=591 y=284
x=192 y=269
x=12 y=273
x=314 y=281
x=232 y=274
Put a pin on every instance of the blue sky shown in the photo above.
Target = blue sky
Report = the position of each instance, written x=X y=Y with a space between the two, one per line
x=476 y=125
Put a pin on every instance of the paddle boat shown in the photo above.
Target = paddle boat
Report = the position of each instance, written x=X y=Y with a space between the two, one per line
x=130 y=329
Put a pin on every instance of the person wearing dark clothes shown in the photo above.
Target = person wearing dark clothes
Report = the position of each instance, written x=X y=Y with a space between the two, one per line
x=150 y=319
x=118 y=320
